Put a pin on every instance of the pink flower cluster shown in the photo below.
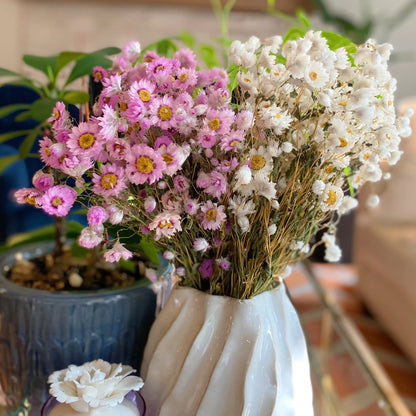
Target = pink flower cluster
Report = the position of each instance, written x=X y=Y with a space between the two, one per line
x=158 y=154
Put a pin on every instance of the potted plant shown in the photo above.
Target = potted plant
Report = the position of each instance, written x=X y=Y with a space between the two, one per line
x=59 y=305
x=232 y=172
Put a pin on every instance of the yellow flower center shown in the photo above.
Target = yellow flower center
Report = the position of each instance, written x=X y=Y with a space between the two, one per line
x=144 y=164
x=109 y=181
x=165 y=224
x=168 y=159
x=247 y=79
x=56 y=202
x=332 y=198
x=56 y=114
x=276 y=74
x=234 y=143
x=123 y=106
x=278 y=115
x=313 y=76
x=86 y=140
x=329 y=169
x=343 y=103
x=214 y=124
x=98 y=75
x=257 y=162
x=62 y=158
x=148 y=59
x=30 y=200
x=159 y=68
x=183 y=77
x=390 y=102
x=47 y=151
x=367 y=156
x=172 y=78
x=144 y=95
x=211 y=214
x=165 y=112
x=342 y=142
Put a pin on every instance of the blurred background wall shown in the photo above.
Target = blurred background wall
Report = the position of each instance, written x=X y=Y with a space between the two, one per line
x=46 y=27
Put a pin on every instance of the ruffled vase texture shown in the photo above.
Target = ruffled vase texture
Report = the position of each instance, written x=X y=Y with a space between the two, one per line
x=218 y=355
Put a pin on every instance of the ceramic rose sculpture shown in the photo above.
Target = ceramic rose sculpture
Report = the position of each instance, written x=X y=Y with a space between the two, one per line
x=94 y=388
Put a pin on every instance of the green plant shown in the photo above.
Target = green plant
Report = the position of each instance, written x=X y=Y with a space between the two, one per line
x=58 y=85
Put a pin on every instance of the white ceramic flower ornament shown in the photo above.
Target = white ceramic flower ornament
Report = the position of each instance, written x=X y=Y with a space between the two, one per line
x=93 y=385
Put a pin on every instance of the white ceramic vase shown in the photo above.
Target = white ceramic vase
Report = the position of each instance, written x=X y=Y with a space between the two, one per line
x=213 y=355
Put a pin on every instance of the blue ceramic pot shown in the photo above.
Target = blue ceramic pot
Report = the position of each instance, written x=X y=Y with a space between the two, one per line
x=42 y=331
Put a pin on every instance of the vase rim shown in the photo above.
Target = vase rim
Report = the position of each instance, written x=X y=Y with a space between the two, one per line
x=265 y=293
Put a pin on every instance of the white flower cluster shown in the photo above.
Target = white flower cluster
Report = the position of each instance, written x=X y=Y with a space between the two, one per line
x=96 y=384
x=331 y=111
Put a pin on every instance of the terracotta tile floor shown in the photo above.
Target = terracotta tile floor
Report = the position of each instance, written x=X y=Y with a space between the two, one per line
x=346 y=377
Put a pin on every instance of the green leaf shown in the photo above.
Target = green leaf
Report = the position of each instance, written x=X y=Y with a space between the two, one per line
x=336 y=41
x=76 y=97
x=5 y=161
x=347 y=172
x=209 y=56
x=233 y=71
x=27 y=144
x=23 y=116
x=293 y=33
x=78 y=251
x=45 y=233
x=166 y=47
x=7 y=73
x=149 y=250
x=303 y=19
x=12 y=134
x=279 y=58
x=187 y=39
x=85 y=66
x=65 y=58
x=127 y=265
x=111 y=50
x=11 y=108
x=42 y=109
x=42 y=63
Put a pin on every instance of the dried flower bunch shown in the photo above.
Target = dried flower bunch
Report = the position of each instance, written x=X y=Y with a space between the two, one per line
x=230 y=173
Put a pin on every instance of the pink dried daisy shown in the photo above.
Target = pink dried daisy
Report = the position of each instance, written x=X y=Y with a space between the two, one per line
x=58 y=200
x=144 y=165
x=110 y=181
x=45 y=150
x=174 y=156
x=42 y=180
x=142 y=91
x=29 y=196
x=219 y=121
x=217 y=184
x=117 y=252
x=186 y=58
x=206 y=138
x=96 y=215
x=230 y=142
x=180 y=183
x=162 y=111
x=165 y=224
x=212 y=216
x=111 y=123
x=90 y=237
x=85 y=140
x=131 y=51
x=118 y=148
x=59 y=117
x=99 y=73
